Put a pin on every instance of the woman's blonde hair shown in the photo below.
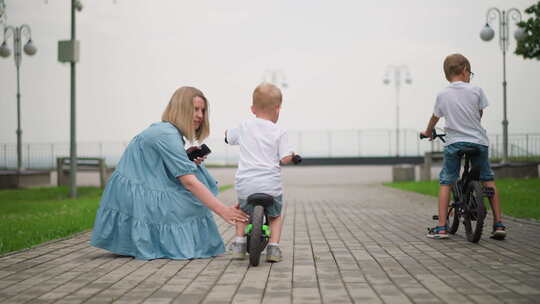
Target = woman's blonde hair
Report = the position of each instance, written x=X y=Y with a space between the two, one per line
x=179 y=112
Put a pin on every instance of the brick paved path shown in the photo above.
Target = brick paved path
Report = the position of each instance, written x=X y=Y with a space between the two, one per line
x=345 y=240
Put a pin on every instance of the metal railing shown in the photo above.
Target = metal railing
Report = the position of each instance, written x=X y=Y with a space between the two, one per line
x=331 y=144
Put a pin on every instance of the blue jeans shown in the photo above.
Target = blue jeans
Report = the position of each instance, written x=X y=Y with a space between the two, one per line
x=452 y=163
x=273 y=211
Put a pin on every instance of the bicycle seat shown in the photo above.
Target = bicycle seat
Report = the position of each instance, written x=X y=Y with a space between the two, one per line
x=262 y=199
x=469 y=151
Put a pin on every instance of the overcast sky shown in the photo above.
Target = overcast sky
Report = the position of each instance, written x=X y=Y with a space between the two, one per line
x=135 y=53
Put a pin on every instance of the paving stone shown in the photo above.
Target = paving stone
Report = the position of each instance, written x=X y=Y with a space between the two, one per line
x=344 y=241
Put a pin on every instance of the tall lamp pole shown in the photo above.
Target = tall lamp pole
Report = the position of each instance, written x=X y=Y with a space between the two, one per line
x=17 y=32
x=275 y=77
x=68 y=51
x=487 y=34
x=399 y=72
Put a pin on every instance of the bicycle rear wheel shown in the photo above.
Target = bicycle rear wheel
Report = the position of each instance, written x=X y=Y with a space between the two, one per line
x=256 y=244
x=454 y=211
x=474 y=211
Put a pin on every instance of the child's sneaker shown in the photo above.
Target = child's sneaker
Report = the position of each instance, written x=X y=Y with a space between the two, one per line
x=499 y=231
x=273 y=253
x=238 y=250
x=438 y=232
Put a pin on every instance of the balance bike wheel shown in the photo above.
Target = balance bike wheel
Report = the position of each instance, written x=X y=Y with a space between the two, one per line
x=256 y=238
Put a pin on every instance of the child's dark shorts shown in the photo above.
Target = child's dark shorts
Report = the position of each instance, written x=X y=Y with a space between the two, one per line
x=273 y=211
x=452 y=163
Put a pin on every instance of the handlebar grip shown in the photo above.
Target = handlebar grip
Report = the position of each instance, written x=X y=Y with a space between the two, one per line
x=422 y=136
x=296 y=159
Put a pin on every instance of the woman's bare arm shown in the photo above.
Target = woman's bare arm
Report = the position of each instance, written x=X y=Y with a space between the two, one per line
x=229 y=213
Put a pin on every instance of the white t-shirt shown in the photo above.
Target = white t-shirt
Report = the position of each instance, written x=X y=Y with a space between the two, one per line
x=262 y=145
x=460 y=104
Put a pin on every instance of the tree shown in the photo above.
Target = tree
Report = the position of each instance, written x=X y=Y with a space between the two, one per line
x=529 y=47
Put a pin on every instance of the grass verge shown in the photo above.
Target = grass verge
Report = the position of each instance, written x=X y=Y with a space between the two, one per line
x=519 y=197
x=29 y=217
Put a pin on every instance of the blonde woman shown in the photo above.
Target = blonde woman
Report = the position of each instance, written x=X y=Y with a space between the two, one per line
x=158 y=203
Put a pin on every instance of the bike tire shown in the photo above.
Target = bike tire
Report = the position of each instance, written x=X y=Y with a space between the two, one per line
x=256 y=239
x=474 y=212
x=454 y=212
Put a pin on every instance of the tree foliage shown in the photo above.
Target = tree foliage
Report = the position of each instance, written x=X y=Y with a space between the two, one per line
x=529 y=47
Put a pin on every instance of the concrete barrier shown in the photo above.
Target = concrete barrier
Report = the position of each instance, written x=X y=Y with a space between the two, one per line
x=10 y=179
x=515 y=170
x=403 y=173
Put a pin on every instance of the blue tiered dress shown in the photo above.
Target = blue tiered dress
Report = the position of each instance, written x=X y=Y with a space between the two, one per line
x=145 y=212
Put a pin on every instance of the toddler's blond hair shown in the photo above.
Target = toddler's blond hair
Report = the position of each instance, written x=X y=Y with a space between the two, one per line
x=266 y=96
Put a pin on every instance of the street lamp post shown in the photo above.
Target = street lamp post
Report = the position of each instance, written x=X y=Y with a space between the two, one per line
x=17 y=32
x=399 y=72
x=487 y=34
x=275 y=77
x=68 y=51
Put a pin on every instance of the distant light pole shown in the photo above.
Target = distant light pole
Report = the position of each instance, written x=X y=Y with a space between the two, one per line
x=399 y=72
x=68 y=51
x=487 y=34
x=275 y=77
x=17 y=32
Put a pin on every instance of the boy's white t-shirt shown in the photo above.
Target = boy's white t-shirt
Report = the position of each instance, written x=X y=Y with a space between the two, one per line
x=460 y=104
x=262 y=145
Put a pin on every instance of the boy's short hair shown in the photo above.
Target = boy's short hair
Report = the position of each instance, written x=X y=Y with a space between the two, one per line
x=454 y=65
x=266 y=96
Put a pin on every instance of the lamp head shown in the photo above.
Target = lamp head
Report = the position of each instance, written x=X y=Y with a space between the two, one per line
x=78 y=5
x=520 y=34
x=30 y=48
x=4 y=50
x=487 y=33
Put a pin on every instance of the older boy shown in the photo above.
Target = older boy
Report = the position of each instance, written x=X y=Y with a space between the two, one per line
x=462 y=104
x=263 y=146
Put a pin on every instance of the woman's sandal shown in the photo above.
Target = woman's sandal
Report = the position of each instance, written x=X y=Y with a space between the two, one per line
x=438 y=232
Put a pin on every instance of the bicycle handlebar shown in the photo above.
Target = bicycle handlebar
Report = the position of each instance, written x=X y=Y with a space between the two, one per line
x=434 y=135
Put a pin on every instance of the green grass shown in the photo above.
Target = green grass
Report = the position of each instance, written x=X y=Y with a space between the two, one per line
x=519 y=197
x=29 y=217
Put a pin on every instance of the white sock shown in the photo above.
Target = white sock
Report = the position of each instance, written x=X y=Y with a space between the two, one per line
x=240 y=239
x=273 y=244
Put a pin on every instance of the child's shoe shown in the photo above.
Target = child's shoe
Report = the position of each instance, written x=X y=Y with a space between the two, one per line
x=499 y=231
x=273 y=253
x=438 y=232
x=238 y=250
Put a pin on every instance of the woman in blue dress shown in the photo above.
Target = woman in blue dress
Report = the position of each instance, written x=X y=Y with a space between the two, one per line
x=158 y=203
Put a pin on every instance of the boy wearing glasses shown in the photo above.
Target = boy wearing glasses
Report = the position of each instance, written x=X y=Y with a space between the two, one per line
x=462 y=105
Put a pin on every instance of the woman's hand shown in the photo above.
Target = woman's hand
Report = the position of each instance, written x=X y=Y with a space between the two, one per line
x=233 y=214
x=199 y=160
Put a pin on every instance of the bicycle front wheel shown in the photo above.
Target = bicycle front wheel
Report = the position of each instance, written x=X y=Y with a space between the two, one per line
x=475 y=211
x=256 y=243
x=454 y=211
